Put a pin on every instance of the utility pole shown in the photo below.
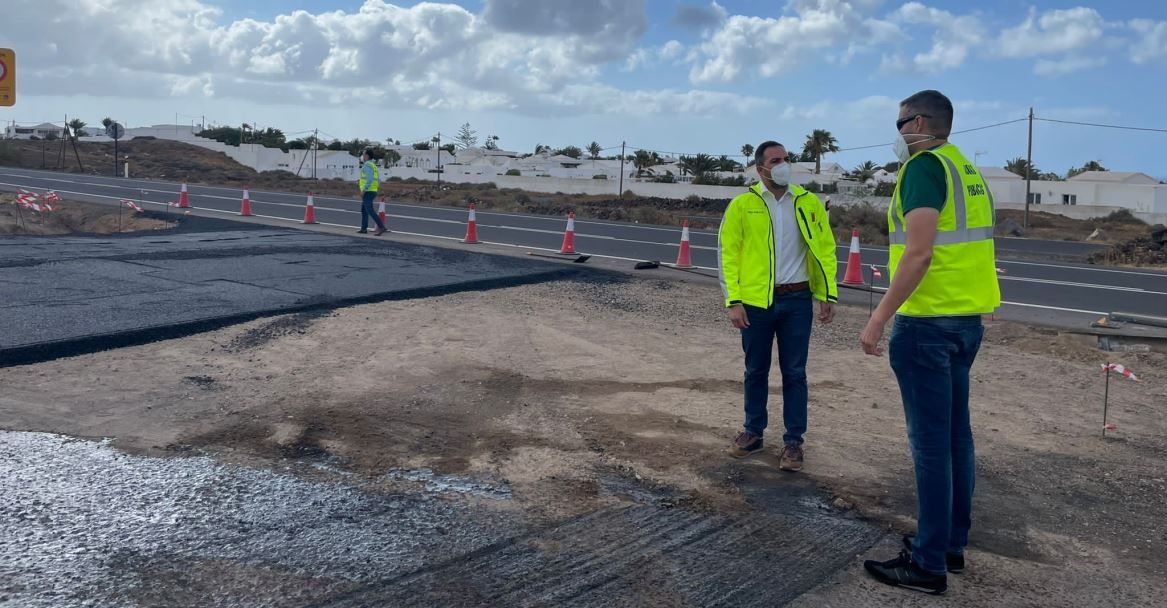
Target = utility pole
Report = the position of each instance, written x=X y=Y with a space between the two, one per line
x=315 y=147
x=439 y=139
x=1028 y=171
x=622 y=170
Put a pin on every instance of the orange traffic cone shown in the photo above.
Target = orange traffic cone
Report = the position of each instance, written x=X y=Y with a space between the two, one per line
x=683 y=259
x=183 y=198
x=471 y=228
x=246 y=210
x=310 y=211
x=854 y=274
x=569 y=235
x=381 y=211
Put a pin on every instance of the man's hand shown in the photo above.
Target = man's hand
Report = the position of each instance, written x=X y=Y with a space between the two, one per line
x=871 y=336
x=826 y=312
x=737 y=316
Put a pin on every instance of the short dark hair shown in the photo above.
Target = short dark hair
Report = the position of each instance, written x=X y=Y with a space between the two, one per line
x=936 y=106
x=761 y=150
x=370 y=152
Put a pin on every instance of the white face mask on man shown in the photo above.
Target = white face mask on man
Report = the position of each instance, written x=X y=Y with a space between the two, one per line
x=900 y=145
x=780 y=174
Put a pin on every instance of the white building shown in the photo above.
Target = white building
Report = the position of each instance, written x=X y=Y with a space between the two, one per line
x=1137 y=192
x=42 y=131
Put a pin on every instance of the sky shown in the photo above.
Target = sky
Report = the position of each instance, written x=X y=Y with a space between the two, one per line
x=676 y=76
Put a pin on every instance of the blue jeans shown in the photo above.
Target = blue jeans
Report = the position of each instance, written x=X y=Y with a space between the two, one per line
x=931 y=358
x=789 y=319
x=368 y=212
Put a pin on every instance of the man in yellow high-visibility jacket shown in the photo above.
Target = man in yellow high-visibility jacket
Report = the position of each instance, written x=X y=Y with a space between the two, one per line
x=943 y=278
x=776 y=256
x=369 y=183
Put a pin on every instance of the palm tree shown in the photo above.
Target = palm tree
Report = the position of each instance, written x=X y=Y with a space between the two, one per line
x=594 y=150
x=747 y=151
x=698 y=165
x=644 y=160
x=1021 y=167
x=725 y=163
x=863 y=173
x=77 y=126
x=818 y=143
x=392 y=157
x=106 y=122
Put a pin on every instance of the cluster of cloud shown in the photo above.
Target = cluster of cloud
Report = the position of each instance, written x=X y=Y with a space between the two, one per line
x=531 y=56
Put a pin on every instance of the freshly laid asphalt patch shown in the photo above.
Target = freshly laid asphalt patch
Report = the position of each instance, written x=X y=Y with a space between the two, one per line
x=62 y=296
x=87 y=525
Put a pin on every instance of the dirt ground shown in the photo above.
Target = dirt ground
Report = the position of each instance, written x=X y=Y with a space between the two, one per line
x=69 y=217
x=546 y=385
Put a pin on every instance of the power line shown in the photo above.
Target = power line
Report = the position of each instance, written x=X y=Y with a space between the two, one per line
x=1092 y=124
x=999 y=124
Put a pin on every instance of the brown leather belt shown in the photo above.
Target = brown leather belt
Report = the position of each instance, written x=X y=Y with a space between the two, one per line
x=789 y=288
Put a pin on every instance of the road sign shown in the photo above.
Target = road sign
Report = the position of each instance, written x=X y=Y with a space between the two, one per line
x=115 y=130
x=7 y=77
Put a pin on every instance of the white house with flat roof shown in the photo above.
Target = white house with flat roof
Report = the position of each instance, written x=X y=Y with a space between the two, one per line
x=1127 y=190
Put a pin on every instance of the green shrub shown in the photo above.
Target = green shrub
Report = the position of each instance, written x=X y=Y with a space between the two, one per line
x=514 y=172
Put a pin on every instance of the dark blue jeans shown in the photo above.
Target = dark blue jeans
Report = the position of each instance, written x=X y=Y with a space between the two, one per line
x=931 y=358
x=789 y=320
x=368 y=212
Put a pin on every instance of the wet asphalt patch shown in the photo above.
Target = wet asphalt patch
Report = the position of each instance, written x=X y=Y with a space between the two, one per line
x=83 y=524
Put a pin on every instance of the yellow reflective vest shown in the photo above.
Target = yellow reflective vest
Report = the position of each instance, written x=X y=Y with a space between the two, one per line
x=962 y=279
x=371 y=186
x=745 y=248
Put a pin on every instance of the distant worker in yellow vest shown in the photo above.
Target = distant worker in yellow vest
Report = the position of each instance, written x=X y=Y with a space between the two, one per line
x=370 y=183
x=943 y=278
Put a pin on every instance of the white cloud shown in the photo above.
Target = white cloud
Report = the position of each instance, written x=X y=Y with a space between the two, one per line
x=1061 y=67
x=1152 y=42
x=953 y=39
x=517 y=56
x=648 y=57
x=761 y=46
x=1051 y=33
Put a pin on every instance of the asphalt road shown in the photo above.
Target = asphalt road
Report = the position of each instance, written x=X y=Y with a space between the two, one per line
x=1033 y=290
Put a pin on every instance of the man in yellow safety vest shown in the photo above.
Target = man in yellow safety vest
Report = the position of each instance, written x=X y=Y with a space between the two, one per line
x=370 y=182
x=943 y=278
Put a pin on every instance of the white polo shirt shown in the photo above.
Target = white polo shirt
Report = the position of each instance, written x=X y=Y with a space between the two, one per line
x=789 y=247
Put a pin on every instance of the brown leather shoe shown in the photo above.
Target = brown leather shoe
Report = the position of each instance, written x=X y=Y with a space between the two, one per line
x=791 y=457
x=745 y=444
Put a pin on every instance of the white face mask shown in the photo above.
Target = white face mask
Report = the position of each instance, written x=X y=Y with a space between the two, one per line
x=900 y=146
x=780 y=174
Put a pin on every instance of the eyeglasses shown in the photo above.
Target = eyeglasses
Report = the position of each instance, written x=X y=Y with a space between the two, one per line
x=903 y=121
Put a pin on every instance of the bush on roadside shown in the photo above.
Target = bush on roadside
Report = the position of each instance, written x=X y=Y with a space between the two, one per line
x=514 y=172
x=1120 y=216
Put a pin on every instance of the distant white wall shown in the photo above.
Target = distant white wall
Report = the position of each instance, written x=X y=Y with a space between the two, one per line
x=1136 y=197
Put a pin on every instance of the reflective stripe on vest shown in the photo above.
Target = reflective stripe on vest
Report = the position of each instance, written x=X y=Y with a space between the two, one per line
x=962 y=234
x=961 y=278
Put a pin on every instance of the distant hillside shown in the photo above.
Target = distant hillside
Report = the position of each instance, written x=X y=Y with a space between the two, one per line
x=149 y=158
